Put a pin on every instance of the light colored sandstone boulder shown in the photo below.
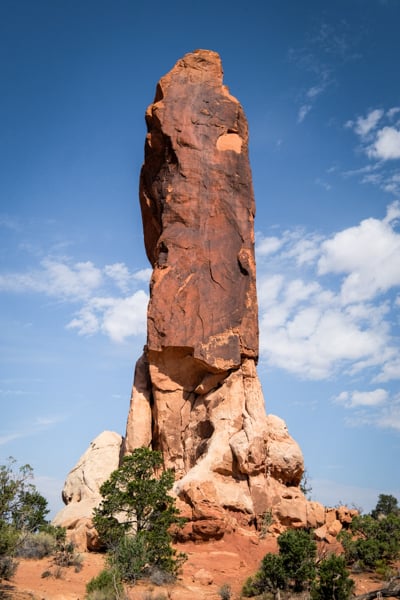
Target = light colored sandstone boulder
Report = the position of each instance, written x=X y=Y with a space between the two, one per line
x=93 y=468
x=138 y=427
x=81 y=492
x=334 y=527
x=315 y=514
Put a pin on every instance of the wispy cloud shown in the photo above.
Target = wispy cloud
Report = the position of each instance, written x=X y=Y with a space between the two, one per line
x=327 y=48
x=37 y=426
x=378 y=134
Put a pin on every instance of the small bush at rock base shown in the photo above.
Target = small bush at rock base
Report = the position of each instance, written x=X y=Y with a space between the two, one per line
x=8 y=566
x=36 y=545
x=225 y=592
x=333 y=581
x=141 y=541
x=105 y=586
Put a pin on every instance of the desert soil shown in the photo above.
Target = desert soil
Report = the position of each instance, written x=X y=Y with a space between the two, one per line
x=209 y=566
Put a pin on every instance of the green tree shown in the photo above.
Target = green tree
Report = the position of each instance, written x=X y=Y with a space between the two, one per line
x=293 y=568
x=136 y=514
x=298 y=551
x=386 y=505
x=372 y=540
x=333 y=581
x=23 y=510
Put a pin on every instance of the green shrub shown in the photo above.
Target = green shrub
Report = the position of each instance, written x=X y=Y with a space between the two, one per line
x=22 y=511
x=141 y=540
x=372 y=540
x=293 y=568
x=333 y=581
x=8 y=566
x=225 y=592
x=105 y=586
x=298 y=551
x=249 y=589
x=386 y=505
x=36 y=545
x=65 y=555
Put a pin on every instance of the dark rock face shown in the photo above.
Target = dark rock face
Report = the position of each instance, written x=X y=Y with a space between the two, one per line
x=198 y=210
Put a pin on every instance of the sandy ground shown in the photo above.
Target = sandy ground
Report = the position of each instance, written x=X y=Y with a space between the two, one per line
x=208 y=567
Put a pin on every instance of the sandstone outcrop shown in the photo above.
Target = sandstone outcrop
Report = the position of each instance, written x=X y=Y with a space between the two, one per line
x=81 y=492
x=196 y=394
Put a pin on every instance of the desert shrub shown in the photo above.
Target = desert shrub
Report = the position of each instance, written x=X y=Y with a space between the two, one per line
x=135 y=517
x=22 y=511
x=160 y=577
x=149 y=596
x=386 y=505
x=8 y=566
x=371 y=540
x=293 y=568
x=225 y=592
x=333 y=581
x=298 y=552
x=36 y=545
x=105 y=586
x=57 y=532
x=65 y=555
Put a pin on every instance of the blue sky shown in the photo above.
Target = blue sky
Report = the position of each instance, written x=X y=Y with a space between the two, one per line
x=319 y=84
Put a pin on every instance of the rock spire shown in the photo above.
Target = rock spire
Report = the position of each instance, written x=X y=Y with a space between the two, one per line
x=196 y=394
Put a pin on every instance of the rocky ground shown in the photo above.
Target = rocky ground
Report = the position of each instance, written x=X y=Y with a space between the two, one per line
x=209 y=566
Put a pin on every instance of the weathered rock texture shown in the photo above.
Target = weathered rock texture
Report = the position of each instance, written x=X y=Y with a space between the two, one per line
x=81 y=492
x=196 y=394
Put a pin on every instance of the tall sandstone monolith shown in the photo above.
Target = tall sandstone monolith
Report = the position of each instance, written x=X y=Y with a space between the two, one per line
x=196 y=394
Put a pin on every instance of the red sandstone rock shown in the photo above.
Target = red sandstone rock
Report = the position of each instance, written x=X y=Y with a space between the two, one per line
x=198 y=378
x=198 y=210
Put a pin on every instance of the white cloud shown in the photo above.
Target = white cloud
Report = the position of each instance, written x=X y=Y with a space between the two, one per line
x=392 y=112
x=303 y=112
x=334 y=319
x=143 y=275
x=356 y=398
x=305 y=249
x=126 y=317
x=119 y=272
x=386 y=145
x=368 y=253
x=55 y=278
x=316 y=90
x=267 y=245
x=364 y=125
x=389 y=418
x=115 y=315
x=118 y=318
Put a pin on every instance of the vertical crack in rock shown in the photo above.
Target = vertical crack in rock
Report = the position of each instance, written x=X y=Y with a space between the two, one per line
x=208 y=415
